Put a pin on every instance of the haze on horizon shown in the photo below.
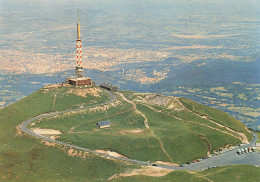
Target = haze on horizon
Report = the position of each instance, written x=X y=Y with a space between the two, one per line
x=123 y=37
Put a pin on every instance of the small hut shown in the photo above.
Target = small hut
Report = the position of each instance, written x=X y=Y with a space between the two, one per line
x=103 y=124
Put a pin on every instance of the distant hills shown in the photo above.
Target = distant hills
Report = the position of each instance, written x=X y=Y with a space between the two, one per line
x=181 y=77
x=210 y=73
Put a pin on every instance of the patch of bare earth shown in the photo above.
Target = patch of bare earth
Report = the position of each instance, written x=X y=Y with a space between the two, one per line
x=157 y=99
x=18 y=130
x=115 y=154
x=54 y=137
x=104 y=107
x=52 y=86
x=74 y=153
x=40 y=131
x=49 y=144
x=89 y=110
x=166 y=101
x=146 y=171
x=84 y=92
x=166 y=163
x=136 y=131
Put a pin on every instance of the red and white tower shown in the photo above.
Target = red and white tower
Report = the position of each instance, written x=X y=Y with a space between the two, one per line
x=79 y=80
x=79 y=68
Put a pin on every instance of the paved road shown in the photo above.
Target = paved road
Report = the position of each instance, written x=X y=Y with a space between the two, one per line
x=23 y=126
x=228 y=158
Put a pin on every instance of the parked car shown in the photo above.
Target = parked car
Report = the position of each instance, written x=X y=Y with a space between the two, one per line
x=254 y=149
x=246 y=150
x=249 y=149
x=239 y=152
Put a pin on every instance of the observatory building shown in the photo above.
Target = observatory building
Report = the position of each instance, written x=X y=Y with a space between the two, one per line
x=79 y=79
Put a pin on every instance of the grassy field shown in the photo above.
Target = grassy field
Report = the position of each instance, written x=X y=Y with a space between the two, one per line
x=258 y=133
x=188 y=117
x=216 y=115
x=127 y=94
x=187 y=138
x=65 y=99
x=23 y=158
x=179 y=176
x=227 y=173
x=181 y=139
x=87 y=120
x=138 y=147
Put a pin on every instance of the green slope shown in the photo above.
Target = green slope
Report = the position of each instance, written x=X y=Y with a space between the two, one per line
x=227 y=173
x=175 y=136
x=216 y=115
x=23 y=158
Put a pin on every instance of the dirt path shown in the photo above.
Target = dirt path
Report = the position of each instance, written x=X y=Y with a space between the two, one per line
x=202 y=176
x=242 y=137
x=204 y=139
x=134 y=106
x=161 y=144
x=71 y=130
x=194 y=122
x=134 y=131
x=54 y=100
x=146 y=124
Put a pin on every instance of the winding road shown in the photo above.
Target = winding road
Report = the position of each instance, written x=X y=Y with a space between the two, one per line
x=227 y=158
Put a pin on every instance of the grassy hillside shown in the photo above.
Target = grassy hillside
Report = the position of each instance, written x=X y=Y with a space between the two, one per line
x=174 y=134
x=183 y=140
x=216 y=115
x=23 y=158
x=227 y=173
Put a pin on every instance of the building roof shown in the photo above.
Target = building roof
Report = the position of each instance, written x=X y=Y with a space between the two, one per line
x=81 y=78
x=104 y=123
x=107 y=85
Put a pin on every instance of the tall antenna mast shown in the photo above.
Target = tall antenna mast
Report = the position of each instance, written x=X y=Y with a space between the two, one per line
x=78 y=15
x=79 y=69
x=78 y=27
x=79 y=79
